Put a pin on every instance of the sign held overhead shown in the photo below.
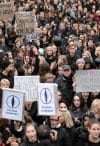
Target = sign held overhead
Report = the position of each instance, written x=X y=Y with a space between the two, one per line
x=88 y=81
x=13 y=104
x=47 y=99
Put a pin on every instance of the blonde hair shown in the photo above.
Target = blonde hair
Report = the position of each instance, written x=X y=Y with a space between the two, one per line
x=95 y=106
x=4 y=81
x=62 y=59
x=46 y=49
x=49 y=76
x=87 y=54
x=97 y=51
x=68 y=118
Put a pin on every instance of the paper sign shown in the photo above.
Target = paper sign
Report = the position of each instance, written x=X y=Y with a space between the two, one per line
x=6 y=11
x=25 y=23
x=34 y=36
x=13 y=104
x=88 y=81
x=47 y=99
x=29 y=84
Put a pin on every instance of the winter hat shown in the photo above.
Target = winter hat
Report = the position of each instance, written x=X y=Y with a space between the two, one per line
x=5 y=63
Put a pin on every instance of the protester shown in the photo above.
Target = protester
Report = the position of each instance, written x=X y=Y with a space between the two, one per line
x=30 y=135
x=68 y=41
x=93 y=136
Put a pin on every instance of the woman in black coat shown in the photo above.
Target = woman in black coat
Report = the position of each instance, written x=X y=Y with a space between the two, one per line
x=30 y=135
x=93 y=138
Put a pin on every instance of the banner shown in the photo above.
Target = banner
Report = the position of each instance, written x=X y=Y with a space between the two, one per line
x=47 y=100
x=25 y=23
x=29 y=84
x=6 y=11
x=13 y=104
x=88 y=81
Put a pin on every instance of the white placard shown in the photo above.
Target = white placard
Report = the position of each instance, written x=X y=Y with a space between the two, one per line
x=25 y=22
x=47 y=100
x=29 y=84
x=13 y=104
x=7 y=11
x=88 y=81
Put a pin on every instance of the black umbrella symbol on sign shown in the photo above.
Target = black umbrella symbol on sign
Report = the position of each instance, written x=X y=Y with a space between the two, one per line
x=46 y=96
x=12 y=101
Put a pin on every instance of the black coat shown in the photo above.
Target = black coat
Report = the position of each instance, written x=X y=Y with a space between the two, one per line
x=65 y=87
x=46 y=143
x=86 y=142
x=27 y=143
x=63 y=138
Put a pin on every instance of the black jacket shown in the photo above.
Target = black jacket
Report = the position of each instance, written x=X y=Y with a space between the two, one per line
x=27 y=143
x=65 y=86
x=63 y=138
x=86 y=142
x=46 y=143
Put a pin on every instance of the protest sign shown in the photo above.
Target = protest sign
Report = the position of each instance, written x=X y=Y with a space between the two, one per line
x=13 y=104
x=6 y=11
x=29 y=84
x=47 y=101
x=4 y=1
x=88 y=81
x=25 y=23
x=34 y=36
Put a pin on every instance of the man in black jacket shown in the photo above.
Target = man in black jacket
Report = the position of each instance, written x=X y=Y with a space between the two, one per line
x=65 y=83
x=63 y=138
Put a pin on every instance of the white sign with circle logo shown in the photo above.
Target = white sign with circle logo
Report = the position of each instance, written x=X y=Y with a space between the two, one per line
x=47 y=99
x=13 y=104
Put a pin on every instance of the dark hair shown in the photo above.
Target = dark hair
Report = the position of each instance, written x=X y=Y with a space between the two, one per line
x=81 y=102
x=89 y=114
x=93 y=121
x=64 y=101
x=43 y=132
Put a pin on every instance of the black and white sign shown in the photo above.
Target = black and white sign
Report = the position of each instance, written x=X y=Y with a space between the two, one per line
x=29 y=84
x=47 y=99
x=13 y=104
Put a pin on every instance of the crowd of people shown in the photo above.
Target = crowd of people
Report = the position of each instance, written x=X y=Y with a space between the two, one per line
x=69 y=35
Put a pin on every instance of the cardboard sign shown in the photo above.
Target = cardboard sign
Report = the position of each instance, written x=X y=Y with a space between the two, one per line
x=29 y=84
x=88 y=81
x=13 y=104
x=25 y=23
x=6 y=11
x=47 y=100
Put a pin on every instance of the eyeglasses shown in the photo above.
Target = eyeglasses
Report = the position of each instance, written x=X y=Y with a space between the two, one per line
x=66 y=70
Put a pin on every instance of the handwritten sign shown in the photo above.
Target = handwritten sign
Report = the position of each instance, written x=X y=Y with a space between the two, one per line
x=29 y=84
x=34 y=36
x=6 y=11
x=47 y=101
x=25 y=23
x=88 y=81
x=13 y=104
